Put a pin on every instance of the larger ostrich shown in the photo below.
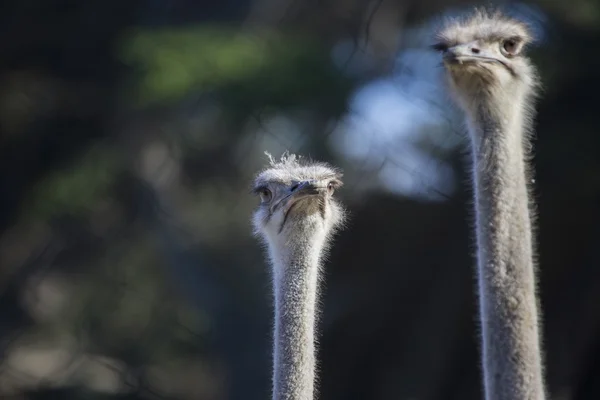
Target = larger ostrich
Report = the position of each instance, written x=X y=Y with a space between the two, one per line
x=296 y=218
x=494 y=84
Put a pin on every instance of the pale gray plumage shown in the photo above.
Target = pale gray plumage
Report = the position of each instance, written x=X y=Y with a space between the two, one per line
x=296 y=219
x=494 y=84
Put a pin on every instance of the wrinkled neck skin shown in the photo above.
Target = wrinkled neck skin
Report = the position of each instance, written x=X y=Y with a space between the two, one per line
x=507 y=289
x=295 y=258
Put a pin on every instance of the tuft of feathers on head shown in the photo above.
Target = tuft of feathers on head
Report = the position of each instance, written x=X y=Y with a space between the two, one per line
x=486 y=24
x=286 y=159
x=290 y=167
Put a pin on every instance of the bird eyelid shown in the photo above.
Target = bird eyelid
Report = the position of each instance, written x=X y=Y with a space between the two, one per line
x=258 y=189
x=504 y=37
x=512 y=46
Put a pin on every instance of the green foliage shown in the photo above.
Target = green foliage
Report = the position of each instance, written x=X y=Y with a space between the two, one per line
x=248 y=71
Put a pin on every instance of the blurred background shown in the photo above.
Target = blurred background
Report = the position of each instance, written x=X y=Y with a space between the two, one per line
x=129 y=135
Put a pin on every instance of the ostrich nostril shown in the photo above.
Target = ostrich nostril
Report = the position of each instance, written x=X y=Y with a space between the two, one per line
x=475 y=50
x=294 y=186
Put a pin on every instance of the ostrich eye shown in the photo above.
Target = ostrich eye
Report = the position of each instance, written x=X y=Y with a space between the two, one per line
x=510 y=47
x=330 y=188
x=265 y=195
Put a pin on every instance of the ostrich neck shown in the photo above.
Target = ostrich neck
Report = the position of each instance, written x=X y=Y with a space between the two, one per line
x=509 y=317
x=295 y=276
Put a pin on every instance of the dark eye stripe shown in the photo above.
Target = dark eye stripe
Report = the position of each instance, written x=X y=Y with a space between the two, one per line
x=440 y=46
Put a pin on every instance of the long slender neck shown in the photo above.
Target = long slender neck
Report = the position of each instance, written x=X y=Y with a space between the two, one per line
x=507 y=289
x=295 y=278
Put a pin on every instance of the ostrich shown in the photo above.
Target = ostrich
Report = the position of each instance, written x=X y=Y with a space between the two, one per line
x=296 y=218
x=494 y=85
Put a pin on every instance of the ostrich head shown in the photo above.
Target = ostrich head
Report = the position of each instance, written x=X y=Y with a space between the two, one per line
x=296 y=198
x=483 y=57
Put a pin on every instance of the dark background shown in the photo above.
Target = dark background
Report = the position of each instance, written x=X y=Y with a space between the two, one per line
x=129 y=135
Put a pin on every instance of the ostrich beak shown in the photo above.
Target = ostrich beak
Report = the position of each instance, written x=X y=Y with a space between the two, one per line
x=308 y=188
x=469 y=52
x=299 y=192
x=302 y=191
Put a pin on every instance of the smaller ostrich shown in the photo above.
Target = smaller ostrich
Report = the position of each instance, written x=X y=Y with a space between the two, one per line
x=494 y=84
x=296 y=218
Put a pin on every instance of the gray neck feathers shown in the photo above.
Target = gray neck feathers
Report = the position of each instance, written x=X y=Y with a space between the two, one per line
x=507 y=289
x=295 y=278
